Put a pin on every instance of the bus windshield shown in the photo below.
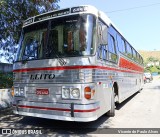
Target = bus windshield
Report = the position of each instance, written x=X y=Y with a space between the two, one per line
x=62 y=37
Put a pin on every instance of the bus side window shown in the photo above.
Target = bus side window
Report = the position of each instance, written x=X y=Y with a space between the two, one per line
x=102 y=52
x=112 y=49
x=134 y=55
x=121 y=44
x=142 y=61
x=102 y=40
x=119 y=41
x=137 y=56
x=139 y=59
x=105 y=53
x=129 y=51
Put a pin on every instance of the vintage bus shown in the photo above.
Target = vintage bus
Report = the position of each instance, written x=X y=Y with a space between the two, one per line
x=74 y=65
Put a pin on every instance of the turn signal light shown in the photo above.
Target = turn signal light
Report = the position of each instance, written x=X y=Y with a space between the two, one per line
x=87 y=93
x=12 y=91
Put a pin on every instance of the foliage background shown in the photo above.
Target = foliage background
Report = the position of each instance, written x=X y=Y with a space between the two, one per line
x=151 y=57
x=6 y=80
x=12 y=15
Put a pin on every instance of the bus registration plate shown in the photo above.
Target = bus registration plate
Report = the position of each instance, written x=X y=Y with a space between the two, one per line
x=42 y=91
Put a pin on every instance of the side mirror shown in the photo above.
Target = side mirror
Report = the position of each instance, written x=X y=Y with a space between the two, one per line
x=103 y=34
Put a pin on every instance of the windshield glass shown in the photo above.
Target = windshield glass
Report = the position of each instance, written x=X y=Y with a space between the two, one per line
x=63 y=37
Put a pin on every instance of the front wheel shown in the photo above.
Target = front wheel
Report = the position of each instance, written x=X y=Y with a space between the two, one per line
x=111 y=112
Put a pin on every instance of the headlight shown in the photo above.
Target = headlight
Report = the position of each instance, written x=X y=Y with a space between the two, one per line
x=16 y=91
x=70 y=93
x=19 y=92
x=65 y=93
x=75 y=93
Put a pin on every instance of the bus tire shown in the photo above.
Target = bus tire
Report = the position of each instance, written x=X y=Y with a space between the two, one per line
x=111 y=112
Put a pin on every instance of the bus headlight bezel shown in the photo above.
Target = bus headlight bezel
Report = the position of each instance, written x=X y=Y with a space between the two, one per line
x=19 y=92
x=75 y=93
x=16 y=91
x=71 y=93
x=65 y=93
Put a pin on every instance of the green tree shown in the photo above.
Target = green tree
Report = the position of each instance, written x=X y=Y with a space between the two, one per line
x=151 y=59
x=12 y=15
x=154 y=69
x=6 y=80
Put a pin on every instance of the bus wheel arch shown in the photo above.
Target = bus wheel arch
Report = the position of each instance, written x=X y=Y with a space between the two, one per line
x=114 y=99
x=116 y=92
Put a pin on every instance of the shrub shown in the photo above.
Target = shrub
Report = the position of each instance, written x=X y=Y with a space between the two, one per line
x=6 y=80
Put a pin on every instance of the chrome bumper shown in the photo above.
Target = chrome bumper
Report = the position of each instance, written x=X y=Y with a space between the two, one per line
x=58 y=111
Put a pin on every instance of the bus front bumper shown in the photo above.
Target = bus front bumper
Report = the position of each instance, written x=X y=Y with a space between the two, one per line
x=58 y=111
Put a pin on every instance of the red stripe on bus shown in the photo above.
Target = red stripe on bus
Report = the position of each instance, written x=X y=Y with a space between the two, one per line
x=54 y=68
x=124 y=63
x=57 y=109
x=90 y=110
x=72 y=67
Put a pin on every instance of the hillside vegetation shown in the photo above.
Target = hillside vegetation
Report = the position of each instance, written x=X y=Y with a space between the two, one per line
x=151 y=61
x=147 y=54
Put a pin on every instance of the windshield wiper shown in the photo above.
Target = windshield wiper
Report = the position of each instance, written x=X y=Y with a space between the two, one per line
x=60 y=60
x=48 y=47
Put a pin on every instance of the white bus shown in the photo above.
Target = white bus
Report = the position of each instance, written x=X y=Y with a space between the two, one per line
x=74 y=65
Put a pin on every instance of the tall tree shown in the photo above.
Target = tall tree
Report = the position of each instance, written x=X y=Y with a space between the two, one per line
x=12 y=15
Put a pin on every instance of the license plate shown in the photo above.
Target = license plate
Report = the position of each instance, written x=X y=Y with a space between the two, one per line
x=42 y=91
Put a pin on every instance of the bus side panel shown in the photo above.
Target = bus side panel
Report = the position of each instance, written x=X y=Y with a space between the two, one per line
x=104 y=96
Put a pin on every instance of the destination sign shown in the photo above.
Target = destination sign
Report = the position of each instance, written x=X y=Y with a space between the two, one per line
x=55 y=14
x=52 y=14
x=78 y=9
